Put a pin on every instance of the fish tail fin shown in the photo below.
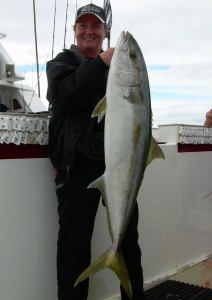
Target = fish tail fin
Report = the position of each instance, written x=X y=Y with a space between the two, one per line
x=119 y=267
x=113 y=261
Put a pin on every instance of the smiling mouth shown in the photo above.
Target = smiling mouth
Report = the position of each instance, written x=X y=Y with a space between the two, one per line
x=88 y=39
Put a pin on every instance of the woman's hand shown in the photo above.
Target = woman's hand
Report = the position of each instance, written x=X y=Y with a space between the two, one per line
x=107 y=55
x=208 y=118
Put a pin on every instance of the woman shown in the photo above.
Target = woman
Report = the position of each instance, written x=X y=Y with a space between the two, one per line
x=76 y=82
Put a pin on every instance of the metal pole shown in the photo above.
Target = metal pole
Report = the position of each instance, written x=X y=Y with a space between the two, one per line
x=108 y=12
x=64 y=45
x=108 y=39
x=36 y=48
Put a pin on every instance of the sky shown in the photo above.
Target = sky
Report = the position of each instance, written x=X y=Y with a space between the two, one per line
x=175 y=37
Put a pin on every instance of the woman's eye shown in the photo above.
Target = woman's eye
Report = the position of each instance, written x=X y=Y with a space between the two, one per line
x=81 y=26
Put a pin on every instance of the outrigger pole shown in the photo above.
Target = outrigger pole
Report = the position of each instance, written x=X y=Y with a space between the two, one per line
x=55 y=10
x=64 y=44
x=36 y=48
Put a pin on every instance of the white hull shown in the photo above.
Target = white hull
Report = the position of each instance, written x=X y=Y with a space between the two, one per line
x=175 y=224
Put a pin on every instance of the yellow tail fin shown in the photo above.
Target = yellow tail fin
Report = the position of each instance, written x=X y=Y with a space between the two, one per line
x=113 y=261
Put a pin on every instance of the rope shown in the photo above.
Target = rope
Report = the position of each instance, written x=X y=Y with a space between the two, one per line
x=44 y=64
x=36 y=48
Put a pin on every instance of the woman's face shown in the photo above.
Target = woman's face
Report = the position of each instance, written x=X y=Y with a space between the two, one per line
x=89 y=33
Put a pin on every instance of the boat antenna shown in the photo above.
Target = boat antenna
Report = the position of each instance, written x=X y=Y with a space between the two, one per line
x=36 y=48
x=65 y=25
x=55 y=10
x=108 y=12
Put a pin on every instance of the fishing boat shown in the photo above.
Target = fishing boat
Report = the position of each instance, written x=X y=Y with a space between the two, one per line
x=175 y=205
x=16 y=97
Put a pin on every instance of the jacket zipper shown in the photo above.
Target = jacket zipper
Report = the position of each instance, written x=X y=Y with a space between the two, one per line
x=68 y=156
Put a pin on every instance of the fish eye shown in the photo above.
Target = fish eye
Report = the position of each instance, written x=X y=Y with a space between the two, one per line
x=133 y=54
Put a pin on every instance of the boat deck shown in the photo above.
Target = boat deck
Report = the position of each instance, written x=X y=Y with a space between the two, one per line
x=200 y=274
x=194 y=283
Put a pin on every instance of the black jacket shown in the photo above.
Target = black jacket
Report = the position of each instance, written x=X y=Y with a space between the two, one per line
x=75 y=86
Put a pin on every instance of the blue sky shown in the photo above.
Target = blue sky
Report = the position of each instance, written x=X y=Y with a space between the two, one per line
x=175 y=37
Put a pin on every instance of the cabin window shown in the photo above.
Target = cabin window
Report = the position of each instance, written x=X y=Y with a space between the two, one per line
x=6 y=100
x=16 y=104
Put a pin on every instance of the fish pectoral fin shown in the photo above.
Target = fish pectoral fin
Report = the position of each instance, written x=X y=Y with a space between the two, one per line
x=100 y=109
x=133 y=96
x=113 y=261
x=99 y=184
x=154 y=152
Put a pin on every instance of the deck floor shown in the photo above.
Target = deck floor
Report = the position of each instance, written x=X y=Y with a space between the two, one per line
x=176 y=290
x=193 y=283
x=200 y=274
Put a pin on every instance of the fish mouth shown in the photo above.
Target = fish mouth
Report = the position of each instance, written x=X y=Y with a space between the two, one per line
x=125 y=40
x=126 y=36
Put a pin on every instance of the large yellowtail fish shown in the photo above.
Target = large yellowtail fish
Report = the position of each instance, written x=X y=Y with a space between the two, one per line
x=129 y=148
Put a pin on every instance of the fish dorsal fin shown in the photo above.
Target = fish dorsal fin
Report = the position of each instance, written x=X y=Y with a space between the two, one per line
x=100 y=109
x=154 y=152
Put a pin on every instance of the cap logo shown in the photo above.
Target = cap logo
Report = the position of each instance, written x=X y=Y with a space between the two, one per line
x=88 y=8
x=92 y=9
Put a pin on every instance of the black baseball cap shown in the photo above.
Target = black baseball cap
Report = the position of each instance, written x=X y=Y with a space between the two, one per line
x=91 y=9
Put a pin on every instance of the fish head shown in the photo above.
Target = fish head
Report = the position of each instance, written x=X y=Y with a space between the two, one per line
x=127 y=61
